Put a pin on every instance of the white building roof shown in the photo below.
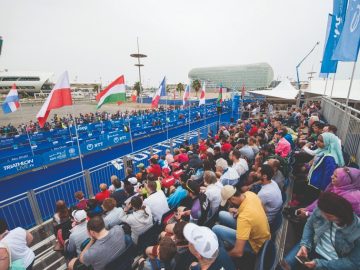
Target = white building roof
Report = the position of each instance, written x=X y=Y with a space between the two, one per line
x=341 y=88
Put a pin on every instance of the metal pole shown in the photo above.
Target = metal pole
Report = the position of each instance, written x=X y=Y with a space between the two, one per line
x=351 y=81
x=27 y=133
x=189 y=116
x=137 y=41
x=166 y=116
x=78 y=143
x=131 y=141
x=332 y=87
x=327 y=77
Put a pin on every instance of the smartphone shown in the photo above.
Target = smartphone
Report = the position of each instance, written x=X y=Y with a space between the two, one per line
x=297 y=212
x=302 y=260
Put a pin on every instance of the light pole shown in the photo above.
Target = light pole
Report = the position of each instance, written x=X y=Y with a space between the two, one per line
x=297 y=73
x=138 y=55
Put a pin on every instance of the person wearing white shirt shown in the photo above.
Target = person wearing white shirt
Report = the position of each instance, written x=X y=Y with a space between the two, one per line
x=239 y=164
x=156 y=201
x=17 y=241
x=229 y=176
x=212 y=191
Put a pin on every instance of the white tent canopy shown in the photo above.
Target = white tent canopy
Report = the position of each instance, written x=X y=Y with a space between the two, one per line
x=284 y=91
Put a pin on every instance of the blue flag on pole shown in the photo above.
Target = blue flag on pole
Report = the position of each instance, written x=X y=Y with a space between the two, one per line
x=347 y=48
x=325 y=75
x=339 y=11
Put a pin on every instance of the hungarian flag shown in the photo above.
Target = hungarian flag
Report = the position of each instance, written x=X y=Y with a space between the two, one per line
x=113 y=93
x=11 y=102
x=219 y=99
x=158 y=94
x=202 y=95
x=186 y=94
x=59 y=97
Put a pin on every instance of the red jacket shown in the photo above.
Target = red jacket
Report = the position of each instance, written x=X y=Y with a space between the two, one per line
x=102 y=195
x=154 y=169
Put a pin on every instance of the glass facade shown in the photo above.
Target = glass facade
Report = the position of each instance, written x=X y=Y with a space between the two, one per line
x=253 y=76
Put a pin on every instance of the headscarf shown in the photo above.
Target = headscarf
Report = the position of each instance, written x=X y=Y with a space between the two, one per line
x=332 y=147
x=348 y=179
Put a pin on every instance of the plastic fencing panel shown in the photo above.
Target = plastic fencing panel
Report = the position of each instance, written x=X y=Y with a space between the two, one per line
x=352 y=141
x=18 y=213
x=63 y=190
x=103 y=174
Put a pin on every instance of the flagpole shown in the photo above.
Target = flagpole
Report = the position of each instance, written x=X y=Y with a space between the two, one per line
x=77 y=140
x=27 y=133
x=131 y=140
x=351 y=81
x=189 y=115
x=332 y=87
x=327 y=77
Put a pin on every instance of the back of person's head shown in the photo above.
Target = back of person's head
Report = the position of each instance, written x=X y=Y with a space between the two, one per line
x=96 y=224
x=103 y=187
x=151 y=185
x=236 y=153
x=332 y=128
x=268 y=171
x=193 y=187
x=153 y=161
x=221 y=163
x=284 y=131
x=3 y=226
x=136 y=202
x=242 y=141
x=109 y=204
x=113 y=178
x=62 y=209
x=117 y=183
x=79 y=195
x=274 y=163
x=333 y=204
x=129 y=188
x=167 y=249
x=318 y=124
x=179 y=232
x=129 y=170
x=207 y=165
x=151 y=177
x=210 y=177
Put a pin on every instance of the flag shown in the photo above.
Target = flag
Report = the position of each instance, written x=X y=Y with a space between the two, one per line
x=219 y=99
x=161 y=92
x=114 y=92
x=202 y=95
x=59 y=96
x=186 y=94
x=11 y=102
x=347 y=48
x=329 y=65
x=243 y=91
x=325 y=75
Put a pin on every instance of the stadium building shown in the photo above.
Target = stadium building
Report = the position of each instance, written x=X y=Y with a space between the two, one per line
x=252 y=76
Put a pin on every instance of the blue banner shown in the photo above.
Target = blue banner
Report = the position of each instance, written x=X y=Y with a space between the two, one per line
x=20 y=165
x=347 y=48
x=60 y=154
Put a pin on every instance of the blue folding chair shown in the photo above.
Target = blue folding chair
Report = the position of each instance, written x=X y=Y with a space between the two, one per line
x=265 y=260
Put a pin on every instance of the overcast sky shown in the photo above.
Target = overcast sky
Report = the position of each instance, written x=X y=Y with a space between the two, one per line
x=94 y=38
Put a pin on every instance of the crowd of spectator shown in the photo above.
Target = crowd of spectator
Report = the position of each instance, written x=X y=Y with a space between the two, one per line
x=60 y=122
x=214 y=204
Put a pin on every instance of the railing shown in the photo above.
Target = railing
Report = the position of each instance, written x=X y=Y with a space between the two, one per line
x=347 y=121
x=35 y=206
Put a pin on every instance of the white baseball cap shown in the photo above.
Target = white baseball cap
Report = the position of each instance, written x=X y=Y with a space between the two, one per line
x=133 y=180
x=202 y=238
x=79 y=215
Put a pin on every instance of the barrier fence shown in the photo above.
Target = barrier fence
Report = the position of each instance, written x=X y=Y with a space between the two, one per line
x=35 y=206
x=347 y=121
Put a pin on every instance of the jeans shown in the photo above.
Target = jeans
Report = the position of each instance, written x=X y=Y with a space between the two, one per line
x=227 y=219
x=294 y=263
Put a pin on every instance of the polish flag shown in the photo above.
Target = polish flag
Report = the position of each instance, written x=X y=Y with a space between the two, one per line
x=202 y=95
x=186 y=94
x=158 y=94
x=60 y=96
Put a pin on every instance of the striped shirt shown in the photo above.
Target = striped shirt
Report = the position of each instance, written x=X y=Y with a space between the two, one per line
x=325 y=247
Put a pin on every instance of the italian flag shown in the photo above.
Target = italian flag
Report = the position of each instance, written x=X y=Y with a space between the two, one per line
x=113 y=93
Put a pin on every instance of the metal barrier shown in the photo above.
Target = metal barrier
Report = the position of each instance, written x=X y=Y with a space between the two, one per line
x=347 y=121
x=35 y=206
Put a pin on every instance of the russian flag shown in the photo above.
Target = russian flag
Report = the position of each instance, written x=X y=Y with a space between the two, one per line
x=161 y=92
x=11 y=103
x=186 y=94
